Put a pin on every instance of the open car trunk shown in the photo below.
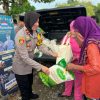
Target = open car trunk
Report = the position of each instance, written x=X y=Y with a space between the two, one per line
x=55 y=23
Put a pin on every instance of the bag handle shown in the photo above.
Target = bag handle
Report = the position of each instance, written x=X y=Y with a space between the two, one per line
x=66 y=40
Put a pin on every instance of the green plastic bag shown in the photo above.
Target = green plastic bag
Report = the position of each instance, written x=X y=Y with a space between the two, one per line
x=58 y=74
x=46 y=79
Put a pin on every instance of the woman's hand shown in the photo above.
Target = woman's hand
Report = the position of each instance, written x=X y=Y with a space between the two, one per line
x=72 y=66
x=71 y=34
x=45 y=70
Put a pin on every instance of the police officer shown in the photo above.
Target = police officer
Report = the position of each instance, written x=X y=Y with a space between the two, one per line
x=26 y=40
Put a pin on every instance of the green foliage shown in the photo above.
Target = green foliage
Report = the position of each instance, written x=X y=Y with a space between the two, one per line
x=17 y=9
x=70 y=1
x=97 y=11
x=44 y=1
x=89 y=6
x=13 y=7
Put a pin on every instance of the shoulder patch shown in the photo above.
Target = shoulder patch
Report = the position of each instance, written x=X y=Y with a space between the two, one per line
x=21 y=40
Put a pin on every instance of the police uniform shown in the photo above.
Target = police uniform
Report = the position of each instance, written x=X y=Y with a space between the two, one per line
x=23 y=62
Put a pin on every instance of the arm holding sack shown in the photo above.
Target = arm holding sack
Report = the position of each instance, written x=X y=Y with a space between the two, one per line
x=93 y=61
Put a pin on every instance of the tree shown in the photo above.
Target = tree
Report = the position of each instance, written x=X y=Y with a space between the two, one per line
x=5 y=4
x=44 y=1
x=89 y=6
x=97 y=12
x=18 y=6
x=70 y=1
x=8 y=3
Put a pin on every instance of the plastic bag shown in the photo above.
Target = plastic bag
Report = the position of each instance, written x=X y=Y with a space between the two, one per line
x=51 y=44
x=58 y=74
x=65 y=51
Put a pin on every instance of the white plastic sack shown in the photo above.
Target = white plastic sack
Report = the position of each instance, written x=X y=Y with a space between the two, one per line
x=38 y=53
x=65 y=52
x=51 y=44
x=46 y=42
x=59 y=74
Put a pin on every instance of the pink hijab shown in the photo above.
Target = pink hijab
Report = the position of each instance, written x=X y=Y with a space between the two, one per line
x=71 y=26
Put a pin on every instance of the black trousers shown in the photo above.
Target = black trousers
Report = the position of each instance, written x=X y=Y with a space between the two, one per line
x=25 y=85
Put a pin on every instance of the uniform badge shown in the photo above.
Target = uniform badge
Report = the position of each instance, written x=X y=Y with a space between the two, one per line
x=21 y=40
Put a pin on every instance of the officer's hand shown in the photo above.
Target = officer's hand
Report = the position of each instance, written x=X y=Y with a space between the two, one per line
x=45 y=69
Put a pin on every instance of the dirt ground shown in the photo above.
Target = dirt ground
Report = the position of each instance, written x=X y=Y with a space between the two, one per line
x=44 y=92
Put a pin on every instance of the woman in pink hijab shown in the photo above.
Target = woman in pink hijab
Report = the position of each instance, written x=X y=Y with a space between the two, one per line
x=78 y=76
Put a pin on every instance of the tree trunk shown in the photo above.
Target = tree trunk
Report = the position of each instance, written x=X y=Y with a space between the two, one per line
x=6 y=6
